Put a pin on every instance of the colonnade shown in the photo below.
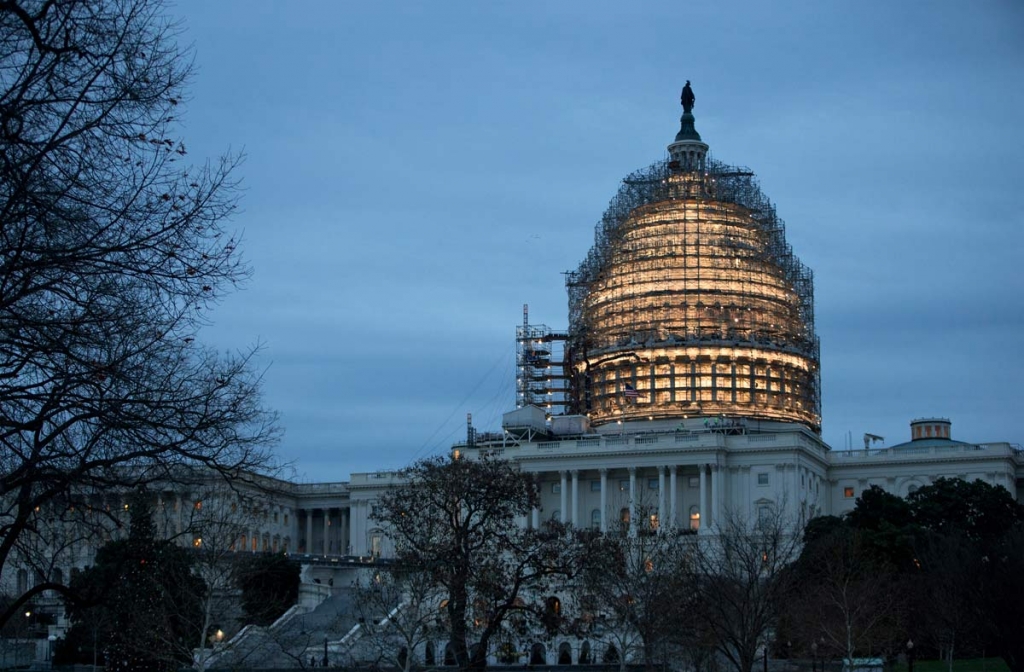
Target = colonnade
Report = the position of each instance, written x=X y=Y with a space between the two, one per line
x=336 y=530
x=667 y=508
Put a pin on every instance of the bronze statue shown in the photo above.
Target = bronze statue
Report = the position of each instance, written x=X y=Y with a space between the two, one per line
x=687 y=98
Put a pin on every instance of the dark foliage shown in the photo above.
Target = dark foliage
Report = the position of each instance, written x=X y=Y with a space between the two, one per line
x=138 y=601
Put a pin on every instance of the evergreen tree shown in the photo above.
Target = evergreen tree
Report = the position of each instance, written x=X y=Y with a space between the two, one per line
x=139 y=600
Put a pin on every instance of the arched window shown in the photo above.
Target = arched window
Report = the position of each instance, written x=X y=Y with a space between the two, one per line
x=584 y=658
x=611 y=655
x=428 y=655
x=564 y=654
x=595 y=519
x=538 y=656
x=556 y=516
x=694 y=518
x=624 y=515
x=449 y=654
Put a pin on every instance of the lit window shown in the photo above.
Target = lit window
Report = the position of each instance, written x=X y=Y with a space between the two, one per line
x=762 y=479
x=694 y=518
x=198 y=505
x=848 y=492
x=654 y=521
x=197 y=542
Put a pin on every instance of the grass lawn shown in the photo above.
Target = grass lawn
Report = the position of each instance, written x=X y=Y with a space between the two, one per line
x=967 y=665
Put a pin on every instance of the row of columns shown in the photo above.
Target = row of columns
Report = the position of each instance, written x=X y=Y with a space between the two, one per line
x=323 y=545
x=710 y=498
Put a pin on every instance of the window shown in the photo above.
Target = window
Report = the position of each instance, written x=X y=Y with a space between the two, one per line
x=652 y=483
x=694 y=518
x=556 y=488
x=764 y=515
x=848 y=492
x=694 y=481
x=595 y=486
x=556 y=515
x=653 y=522
x=623 y=486
x=286 y=519
x=762 y=478
x=595 y=519
x=376 y=544
x=275 y=516
x=624 y=515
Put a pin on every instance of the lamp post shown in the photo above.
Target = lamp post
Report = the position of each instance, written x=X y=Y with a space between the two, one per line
x=814 y=657
x=910 y=655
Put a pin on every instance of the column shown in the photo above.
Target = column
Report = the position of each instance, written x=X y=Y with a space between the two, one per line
x=604 y=500
x=704 y=517
x=344 y=534
x=563 y=490
x=536 y=518
x=575 y=498
x=662 y=518
x=309 y=530
x=353 y=527
x=716 y=493
x=672 y=496
x=632 y=501
x=327 y=530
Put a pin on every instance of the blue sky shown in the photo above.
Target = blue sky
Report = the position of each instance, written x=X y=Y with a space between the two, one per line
x=415 y=172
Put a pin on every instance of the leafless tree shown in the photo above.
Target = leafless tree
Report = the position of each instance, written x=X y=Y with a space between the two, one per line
x=847 y=603
x=112 y=250
x=399 y=612
x=738 y=580
x=213 y=531
x=458 y=521
x=949 y=606
x=634 y=589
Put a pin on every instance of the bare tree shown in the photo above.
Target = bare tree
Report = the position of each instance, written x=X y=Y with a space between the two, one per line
x=738 y=580
x=634 y=589
x=112 y=250
x=457 y=521
x=213 y=532
x=846 y=602
x=399 y=612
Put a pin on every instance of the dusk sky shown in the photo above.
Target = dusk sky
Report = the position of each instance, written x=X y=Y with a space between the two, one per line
x=418 y=171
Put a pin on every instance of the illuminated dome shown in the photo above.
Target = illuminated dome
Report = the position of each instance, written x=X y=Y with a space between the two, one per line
x=691 y=302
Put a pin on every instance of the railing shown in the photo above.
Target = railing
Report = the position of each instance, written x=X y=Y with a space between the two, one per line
x=886 y=454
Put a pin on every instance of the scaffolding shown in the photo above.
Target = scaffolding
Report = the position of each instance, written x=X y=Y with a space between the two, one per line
x=540 y=367
x=692 y=302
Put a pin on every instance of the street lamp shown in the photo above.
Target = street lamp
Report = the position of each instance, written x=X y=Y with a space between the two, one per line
x=910 y=655
x=814 y=657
